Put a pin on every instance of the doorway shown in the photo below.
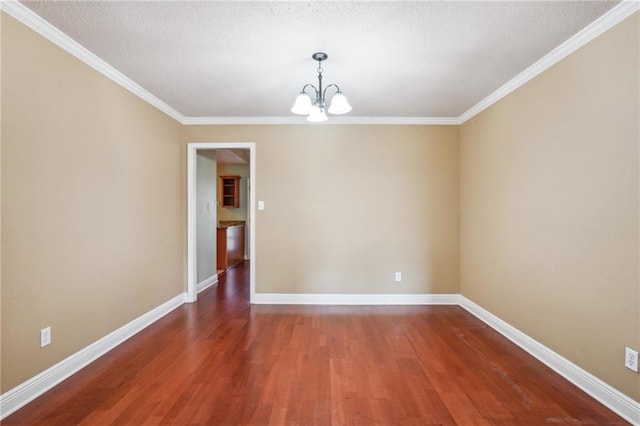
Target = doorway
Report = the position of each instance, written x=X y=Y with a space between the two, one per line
x=192 y=258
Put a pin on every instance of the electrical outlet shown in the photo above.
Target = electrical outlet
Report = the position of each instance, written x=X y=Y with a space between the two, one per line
x=631 y=359
x=45 y=337
x=398 y=277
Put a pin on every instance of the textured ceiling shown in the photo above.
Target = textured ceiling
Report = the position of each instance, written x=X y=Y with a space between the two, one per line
x=250 y=59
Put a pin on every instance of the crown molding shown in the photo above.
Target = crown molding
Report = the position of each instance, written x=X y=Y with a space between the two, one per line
x=62 y=40
x=53 y=34
x=620 y=12
x=298 y=120
x=29 y=18
x=235 y=121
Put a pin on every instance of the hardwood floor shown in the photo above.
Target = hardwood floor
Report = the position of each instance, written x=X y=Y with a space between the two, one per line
x=222 y=361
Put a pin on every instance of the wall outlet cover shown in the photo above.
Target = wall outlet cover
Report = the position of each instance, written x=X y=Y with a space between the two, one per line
x=631 y=359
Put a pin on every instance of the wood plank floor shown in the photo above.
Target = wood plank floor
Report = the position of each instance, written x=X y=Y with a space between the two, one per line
x=222 y=361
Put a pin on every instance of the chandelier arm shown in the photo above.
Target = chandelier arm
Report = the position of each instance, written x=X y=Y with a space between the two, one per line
x=304 y=90
x=324 y=93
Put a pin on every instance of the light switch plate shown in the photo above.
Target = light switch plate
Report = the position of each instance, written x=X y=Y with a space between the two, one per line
x=260 y=205
x=45 y=337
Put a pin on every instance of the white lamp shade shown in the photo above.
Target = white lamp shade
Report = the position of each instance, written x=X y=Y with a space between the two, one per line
x=339 y=104
x=302 y=105
x=317 y=115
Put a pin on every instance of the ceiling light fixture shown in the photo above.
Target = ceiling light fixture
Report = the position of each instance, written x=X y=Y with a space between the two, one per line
x=315 y=107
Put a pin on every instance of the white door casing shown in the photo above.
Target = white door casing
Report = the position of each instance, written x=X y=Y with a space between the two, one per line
x=192 y=149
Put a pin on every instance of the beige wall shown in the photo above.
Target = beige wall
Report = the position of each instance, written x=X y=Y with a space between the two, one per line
x=93 y=204
x=347 y=206
x=540 y=191
x=549 y=207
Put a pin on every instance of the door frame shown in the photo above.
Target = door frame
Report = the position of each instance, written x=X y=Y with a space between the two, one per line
x=192 y=150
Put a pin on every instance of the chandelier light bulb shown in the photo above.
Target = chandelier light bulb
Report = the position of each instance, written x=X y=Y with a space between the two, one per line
x=302 y=104
x=317 y=115
x=339 y=104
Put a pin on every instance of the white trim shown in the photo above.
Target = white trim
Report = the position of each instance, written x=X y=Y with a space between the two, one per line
x=192 y=246
x=355 y=299
x=252 y=222
x=26 y=392
x=614 y=16
x=342 y=120
x=53 y=34
x=205 y=284
x=32 y=20
x=596 y=388
x=616 y=401
x=192 y=149
x=62 y=40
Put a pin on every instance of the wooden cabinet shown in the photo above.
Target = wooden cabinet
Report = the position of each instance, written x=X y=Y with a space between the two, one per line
x=230 y=192
x=230 y=247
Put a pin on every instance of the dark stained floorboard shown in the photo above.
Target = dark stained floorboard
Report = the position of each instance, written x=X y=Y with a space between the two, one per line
x=221 y=361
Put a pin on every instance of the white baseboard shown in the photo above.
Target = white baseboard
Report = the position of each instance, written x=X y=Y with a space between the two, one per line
x=596 y=388
x=205 y=284
x=26 y=392
x=354 y=299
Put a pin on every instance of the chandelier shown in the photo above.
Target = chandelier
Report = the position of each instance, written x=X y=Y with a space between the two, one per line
x=315 y=108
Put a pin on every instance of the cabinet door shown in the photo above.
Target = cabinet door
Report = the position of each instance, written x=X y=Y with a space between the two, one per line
x=221 y=249
x=229 y=191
